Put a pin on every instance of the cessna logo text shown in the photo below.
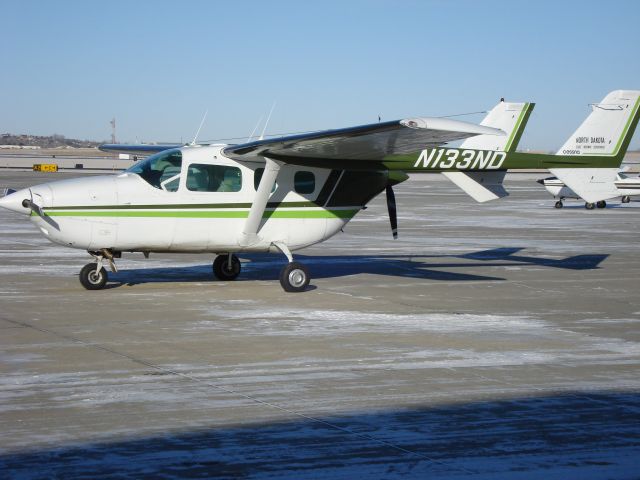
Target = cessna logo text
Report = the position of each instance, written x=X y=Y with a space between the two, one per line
x=444 y=158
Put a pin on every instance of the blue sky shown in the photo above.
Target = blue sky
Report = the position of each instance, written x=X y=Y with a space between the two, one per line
x=69 y=67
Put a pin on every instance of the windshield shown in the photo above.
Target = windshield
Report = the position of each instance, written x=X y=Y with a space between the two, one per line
x=161 y=170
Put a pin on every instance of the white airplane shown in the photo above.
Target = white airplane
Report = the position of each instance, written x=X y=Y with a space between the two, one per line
x=623 y=186
x=596 y=185
x=280 y=194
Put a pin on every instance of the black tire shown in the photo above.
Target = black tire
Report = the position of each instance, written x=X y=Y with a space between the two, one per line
x=294 y=277
x=589 y=206
x=221 y=267
x=559 y=204
x=626 y=199
x=92 y=280
x=601 y=204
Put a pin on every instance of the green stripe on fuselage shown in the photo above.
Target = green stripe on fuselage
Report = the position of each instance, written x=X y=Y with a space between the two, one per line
x=122 y=213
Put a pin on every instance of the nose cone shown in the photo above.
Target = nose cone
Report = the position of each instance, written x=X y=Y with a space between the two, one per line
x=18 y=202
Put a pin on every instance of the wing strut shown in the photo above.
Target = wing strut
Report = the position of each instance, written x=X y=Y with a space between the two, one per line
x=251 y=226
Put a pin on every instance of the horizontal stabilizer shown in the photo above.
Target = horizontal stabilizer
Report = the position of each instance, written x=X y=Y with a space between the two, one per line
x=481 y=186
x=591 y=184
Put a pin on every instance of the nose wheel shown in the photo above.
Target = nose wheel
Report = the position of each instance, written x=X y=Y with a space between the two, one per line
x=92 y=277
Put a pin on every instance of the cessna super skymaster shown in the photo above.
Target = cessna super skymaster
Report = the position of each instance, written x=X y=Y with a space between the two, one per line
x=283 y=194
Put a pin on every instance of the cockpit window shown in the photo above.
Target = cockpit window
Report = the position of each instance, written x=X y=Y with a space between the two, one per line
x=161 y=170
x=213 y=178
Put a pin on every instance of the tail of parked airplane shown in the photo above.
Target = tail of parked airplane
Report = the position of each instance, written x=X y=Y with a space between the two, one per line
x=509 y=117
x=603 y=137
x=607 y=131
x=512 y=119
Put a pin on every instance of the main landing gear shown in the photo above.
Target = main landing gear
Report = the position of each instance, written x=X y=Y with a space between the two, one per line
x=626 y=199
x=93 y=276
x=559 y=204
x=226 y=267
x=591 y=206
x=294 y=277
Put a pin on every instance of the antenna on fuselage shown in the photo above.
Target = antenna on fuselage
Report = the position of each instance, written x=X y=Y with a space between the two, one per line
x=193 y=142
x=267 y=122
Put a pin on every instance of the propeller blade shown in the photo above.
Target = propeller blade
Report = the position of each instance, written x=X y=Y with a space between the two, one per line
x=37 y=209
x=391 y=206
x=34 y=206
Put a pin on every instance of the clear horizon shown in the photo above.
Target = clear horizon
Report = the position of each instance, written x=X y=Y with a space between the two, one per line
x=70 y=67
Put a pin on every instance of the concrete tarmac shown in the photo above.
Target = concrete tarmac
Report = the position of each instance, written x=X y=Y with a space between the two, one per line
x=495 y=341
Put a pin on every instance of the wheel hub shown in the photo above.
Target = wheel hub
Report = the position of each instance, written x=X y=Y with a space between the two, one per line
x=296 y=278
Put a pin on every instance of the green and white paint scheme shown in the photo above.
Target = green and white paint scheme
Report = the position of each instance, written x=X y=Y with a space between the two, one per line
x=281 y=194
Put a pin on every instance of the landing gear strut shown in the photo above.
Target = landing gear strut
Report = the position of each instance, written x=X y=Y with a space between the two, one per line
x=226 y=267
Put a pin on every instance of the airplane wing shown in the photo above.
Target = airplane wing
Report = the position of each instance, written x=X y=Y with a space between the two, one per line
x=363 y=143
x=137 y=149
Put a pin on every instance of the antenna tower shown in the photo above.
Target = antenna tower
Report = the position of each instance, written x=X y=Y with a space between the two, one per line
x=113 y=130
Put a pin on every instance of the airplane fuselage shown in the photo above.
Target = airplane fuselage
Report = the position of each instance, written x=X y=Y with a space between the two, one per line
x=193 y=211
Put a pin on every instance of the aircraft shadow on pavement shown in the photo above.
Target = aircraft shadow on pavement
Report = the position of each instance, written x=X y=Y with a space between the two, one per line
x=427 y=267
x=571 y=435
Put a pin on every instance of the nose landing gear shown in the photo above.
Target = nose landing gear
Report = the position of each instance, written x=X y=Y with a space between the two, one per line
x=93 y=276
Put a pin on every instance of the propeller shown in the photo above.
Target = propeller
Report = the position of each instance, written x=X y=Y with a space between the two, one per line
x=30 y=204
x=391 y=206
x=35 y=208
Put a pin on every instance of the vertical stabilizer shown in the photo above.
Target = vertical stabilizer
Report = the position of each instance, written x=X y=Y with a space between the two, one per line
x=609 y=127
x=507 y=116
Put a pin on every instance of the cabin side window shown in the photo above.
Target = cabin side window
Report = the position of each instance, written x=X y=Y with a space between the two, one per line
x=213 y=178
x=161 y=170
x=304 y=182
x=257 y=176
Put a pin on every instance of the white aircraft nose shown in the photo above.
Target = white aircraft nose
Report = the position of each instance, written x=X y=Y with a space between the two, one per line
x=17 y=201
